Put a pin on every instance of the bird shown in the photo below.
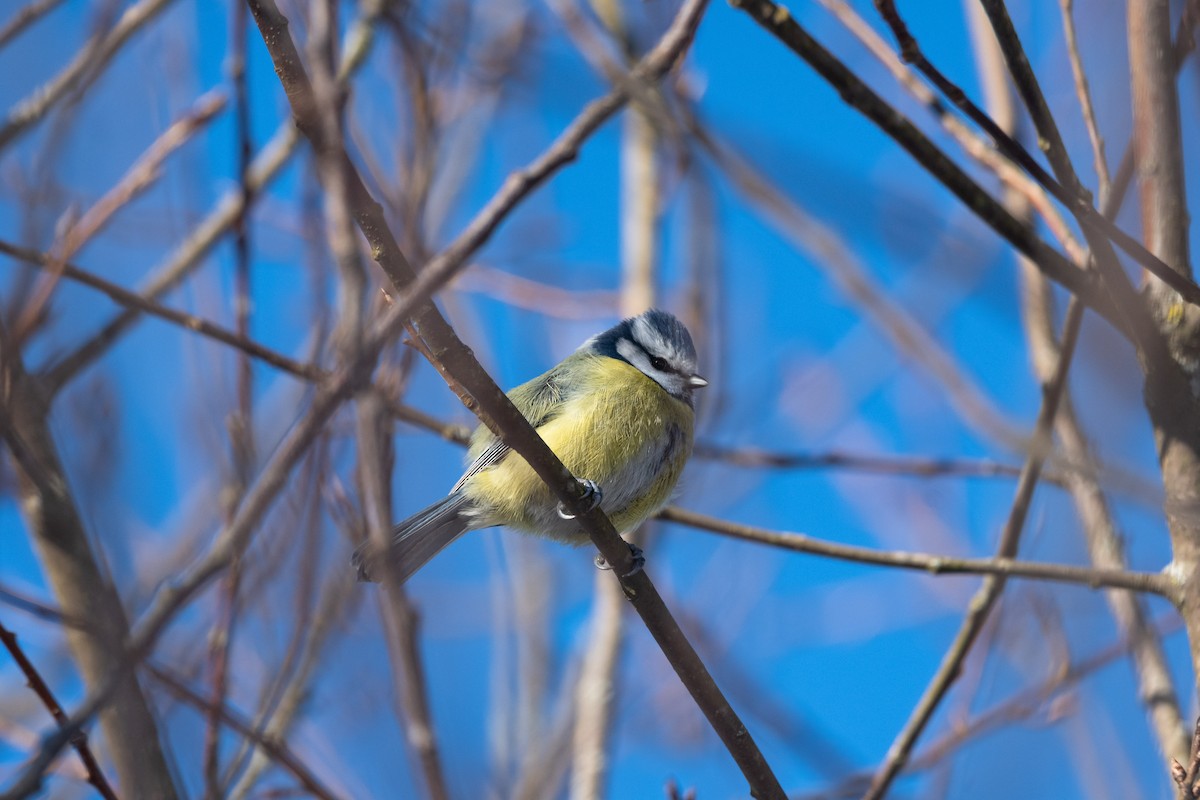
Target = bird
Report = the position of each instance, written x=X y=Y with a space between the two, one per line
x=619 y=412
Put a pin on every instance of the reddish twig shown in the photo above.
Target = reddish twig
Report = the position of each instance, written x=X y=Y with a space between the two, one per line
x=79 y=738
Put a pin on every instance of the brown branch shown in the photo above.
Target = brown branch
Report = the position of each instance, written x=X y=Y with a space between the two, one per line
x=136 y=304
x=781 y=24
x=902 y=466
x=1067 y=189
x=493 y=407
x=204 y=237
x=1085 y=100
x=95 y=776
x=1002 y=566
x=277 y=749
x=25 y=16
x=993 y=585
x=137 y=179
x=86 y=66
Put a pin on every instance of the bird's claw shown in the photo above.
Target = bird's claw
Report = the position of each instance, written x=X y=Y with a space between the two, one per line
x=638 y=558
x=591 y=496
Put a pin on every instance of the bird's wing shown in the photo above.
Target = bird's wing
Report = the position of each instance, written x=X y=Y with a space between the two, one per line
x=538 y=400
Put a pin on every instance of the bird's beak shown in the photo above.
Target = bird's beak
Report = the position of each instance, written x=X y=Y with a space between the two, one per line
x=696 y=382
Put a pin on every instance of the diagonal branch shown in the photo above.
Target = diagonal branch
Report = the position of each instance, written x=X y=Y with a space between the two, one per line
x=486 y=399
x=79 y=741
x=777 y=21
x=86 y=66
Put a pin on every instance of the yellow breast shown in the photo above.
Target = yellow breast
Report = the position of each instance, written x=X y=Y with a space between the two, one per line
x=622 y=430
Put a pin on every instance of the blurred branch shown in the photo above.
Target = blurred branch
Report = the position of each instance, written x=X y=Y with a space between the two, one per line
x=25 y=16
x=1021 y=705
x=914 y=466
x=80 y=584
x=189 y=254
x=401 y=619
x=1001 y=566
x=1070 y=191
x=138 y=178
x=85 y=67
x=1155 y=683
x=79 y=741
x=986 y=596
x=1085 y=100
x=277 y=749
x=141 y=304
x=781 y=24
x=486 y=399
x=522 y=292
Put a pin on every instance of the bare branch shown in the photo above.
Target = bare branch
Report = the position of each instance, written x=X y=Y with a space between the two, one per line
x=137 y=179
x=985 y=598
x=86 y=66
x=781 y=24
x=189 y=254
x=25 y=16
x=277 y=749
x=1003 y=566
x=95 y=776
x=490 y=404
x=1085 y=99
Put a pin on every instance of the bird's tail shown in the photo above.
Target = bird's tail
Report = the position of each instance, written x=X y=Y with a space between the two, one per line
x=414 y=541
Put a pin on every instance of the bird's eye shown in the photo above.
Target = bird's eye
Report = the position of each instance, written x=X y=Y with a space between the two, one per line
x=659 y=363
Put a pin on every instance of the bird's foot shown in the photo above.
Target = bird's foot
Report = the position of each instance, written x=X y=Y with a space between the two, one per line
x=639 y=561
x=591 y=496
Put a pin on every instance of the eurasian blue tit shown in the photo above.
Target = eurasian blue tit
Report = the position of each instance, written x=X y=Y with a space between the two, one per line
x=619 y=412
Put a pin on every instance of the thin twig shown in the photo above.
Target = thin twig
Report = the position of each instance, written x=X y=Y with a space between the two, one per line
x=781 y=24
x=277 y=749
x=87 y=65
x=95 y=776
x=1004 y=566
x=204 y=237
x=137 y=179
x=1104 y=182
x=986 y=596
x=25 y=17
x=1066 y=189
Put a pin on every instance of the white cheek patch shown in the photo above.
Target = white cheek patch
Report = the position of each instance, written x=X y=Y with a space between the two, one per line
x=633 y=354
